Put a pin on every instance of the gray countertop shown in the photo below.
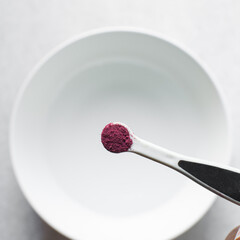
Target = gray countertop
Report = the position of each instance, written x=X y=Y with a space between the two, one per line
x=30 y=28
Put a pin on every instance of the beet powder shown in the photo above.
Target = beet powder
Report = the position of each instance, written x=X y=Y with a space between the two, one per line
x=116 y=138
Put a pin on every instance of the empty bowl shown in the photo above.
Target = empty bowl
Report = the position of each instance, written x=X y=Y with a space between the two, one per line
x=122 y=75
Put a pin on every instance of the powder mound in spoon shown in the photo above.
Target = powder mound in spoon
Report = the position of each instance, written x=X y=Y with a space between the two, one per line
x=116 y=138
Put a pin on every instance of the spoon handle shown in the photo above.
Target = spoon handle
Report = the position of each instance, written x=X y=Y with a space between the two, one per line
x=220 y=179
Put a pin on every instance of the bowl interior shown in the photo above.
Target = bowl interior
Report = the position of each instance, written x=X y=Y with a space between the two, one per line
x=155 y=88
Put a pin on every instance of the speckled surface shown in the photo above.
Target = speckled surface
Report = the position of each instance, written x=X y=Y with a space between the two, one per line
x=29 y=29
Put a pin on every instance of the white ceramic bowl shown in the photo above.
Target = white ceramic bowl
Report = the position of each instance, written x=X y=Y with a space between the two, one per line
x=130 y=76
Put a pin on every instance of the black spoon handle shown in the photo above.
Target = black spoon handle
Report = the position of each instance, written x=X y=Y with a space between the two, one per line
x=222 y=181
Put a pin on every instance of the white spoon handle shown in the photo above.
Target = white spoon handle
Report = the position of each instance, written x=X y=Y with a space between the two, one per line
x=220 y=179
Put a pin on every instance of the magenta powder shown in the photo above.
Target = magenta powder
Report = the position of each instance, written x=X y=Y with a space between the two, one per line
x=116 y=138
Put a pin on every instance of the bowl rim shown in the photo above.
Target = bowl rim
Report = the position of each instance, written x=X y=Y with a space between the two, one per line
x=115 y=29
